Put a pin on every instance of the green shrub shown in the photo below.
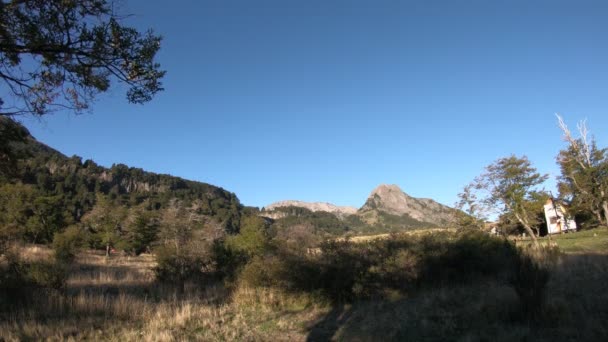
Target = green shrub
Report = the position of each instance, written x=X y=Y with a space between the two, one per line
x=67 y=244
x=234 y=252
x=267 y=271
x=253 y=237
x=180 y=265
x=228 y=262
x=19 y=280
x=346 y=271
x=46 y=275
x=465 y=256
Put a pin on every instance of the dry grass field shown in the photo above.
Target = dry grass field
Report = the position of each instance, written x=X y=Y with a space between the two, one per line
x=118 y=299
x=416 y=232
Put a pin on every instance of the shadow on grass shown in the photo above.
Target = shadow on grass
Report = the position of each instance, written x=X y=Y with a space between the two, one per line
x=326 y=327
x=576 y=309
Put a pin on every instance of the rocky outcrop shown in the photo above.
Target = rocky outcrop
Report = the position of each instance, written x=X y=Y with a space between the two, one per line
x=387 y=205
x=340 y=211
x=392 y=200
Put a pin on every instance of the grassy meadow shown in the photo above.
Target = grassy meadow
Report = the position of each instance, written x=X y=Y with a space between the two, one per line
x=119 y=299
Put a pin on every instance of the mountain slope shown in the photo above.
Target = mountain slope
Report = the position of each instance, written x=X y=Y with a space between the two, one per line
x=390 y=199
x=43 y=182
x=387 y=209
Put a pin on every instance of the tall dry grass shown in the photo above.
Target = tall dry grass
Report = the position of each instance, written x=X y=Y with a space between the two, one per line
x=117 y=299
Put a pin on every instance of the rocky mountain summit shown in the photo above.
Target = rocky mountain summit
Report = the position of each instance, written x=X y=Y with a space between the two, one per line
x=392 y=200
x=387 y=208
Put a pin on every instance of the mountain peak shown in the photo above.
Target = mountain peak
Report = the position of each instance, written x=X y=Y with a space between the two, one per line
x=389 y=198
x=385 y=189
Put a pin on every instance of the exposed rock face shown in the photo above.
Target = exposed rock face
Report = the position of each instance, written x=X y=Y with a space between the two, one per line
x=391 y=199
x=386 y=202
x=340 y=211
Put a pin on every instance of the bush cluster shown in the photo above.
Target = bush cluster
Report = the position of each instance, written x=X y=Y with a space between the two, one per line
x=67 y=244
x=345 y=271
x=19 y=279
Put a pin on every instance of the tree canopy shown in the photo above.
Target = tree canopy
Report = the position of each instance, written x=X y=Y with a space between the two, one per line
x=509 y=187
x=59 y=54
x=584 y=173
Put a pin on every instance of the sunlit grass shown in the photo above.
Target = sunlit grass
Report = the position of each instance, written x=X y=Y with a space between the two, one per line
x=586 y=241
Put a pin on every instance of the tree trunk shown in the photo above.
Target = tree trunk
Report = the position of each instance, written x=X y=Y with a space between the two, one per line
x=107 y=250
x=529 y=230
x=532 y=235
x=598 y=215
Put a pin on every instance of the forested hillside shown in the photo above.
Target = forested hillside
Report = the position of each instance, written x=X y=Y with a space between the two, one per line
x=43 y=192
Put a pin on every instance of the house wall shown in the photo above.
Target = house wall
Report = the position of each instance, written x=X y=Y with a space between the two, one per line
x=556 y=222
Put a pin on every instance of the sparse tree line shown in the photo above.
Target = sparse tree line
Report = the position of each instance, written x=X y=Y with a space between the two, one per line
x=511 y=188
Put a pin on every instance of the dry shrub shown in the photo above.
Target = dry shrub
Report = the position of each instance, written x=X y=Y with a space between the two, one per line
x=346 y=271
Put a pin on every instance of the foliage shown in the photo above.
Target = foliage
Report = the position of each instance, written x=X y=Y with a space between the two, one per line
x=142 y=231
x=470 y=213
x=118 y=207
x=253 y=237
x=19 y=279
x=510 y=187
x=183 y=254
x=179 y=265
x=106 y=222
x=61 y=54
x=468 y=255
x=321 y=222
x=584 y=175
x=36 y=216
x=67 y=243
x=233 y=252
x=47 y=275
x=11 y=134
x=345 y=271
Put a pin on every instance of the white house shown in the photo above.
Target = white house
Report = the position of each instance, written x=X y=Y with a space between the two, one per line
x=556 y=221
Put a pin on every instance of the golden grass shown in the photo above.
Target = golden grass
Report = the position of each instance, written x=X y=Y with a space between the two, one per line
x=34 y=252
x=94 y=269
x=416 y=232
x=251 y=315
x=117 y=299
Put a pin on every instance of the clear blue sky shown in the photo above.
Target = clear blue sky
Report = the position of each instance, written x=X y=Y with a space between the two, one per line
x=322 y=100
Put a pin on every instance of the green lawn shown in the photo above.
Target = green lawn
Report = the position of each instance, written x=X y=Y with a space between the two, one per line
x=587 y=241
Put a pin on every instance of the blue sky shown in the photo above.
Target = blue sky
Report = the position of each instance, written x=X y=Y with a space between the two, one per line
x=322 y=100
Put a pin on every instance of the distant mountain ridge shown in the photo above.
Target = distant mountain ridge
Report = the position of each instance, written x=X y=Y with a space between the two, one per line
x=392 y=200
x=387 y=208
x=340 y=211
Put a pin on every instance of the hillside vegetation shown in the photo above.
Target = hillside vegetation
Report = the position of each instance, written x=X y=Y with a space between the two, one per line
x=46 y=192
